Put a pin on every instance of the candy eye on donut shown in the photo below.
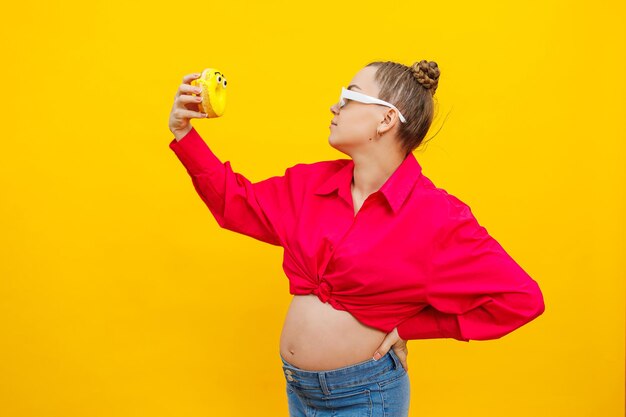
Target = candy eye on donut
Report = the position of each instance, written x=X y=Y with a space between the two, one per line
x=224 y=83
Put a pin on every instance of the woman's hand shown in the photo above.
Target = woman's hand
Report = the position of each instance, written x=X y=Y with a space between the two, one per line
x=393 y=341
x=185 y=107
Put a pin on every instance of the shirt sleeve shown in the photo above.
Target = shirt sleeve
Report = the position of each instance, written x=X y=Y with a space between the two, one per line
x=258 y=210
x=476 y=290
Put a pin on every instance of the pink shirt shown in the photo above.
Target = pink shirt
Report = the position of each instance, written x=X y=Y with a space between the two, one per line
x=414 y=257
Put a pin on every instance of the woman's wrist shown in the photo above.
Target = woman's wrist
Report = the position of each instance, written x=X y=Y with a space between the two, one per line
x=179 y=134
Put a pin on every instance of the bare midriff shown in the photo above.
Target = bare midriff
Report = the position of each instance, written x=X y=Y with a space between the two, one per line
x=318 y=337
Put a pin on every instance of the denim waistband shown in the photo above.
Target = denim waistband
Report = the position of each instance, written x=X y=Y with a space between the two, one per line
x=368 y=371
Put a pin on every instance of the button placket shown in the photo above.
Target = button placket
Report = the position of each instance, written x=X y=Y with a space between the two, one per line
x=328 y=255
x=323 y=288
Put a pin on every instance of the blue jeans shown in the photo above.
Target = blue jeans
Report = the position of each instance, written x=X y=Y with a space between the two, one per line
x=367 y=389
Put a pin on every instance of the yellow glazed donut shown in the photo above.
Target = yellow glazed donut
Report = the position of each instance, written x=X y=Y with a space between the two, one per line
x=213 y=84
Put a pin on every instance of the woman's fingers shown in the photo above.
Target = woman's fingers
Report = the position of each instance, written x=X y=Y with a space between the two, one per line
x=186 y=87
x=186 y=98
x=188 y=102
x=189 y=114
x=404 y=363
x=187 y=78
x=185 y=107
x=403 y=358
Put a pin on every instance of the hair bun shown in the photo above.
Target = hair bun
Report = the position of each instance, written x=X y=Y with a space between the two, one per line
x=427 y=74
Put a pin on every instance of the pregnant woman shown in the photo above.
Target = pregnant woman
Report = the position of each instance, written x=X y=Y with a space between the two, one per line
x=375 y=253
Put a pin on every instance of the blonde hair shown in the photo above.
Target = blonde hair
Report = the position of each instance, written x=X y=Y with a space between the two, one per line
x=411 y=90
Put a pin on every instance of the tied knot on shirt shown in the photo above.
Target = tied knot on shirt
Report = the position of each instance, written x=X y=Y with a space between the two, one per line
x=323 y=291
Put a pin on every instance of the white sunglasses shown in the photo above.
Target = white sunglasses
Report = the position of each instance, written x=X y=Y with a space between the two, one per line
x=364 y=98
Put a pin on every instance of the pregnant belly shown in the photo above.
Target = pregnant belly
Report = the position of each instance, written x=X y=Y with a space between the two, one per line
x=317 y=337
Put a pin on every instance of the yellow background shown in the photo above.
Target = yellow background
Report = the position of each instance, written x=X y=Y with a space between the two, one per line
x=121 y=296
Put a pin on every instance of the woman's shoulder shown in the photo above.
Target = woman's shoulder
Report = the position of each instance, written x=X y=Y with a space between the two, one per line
x=327 y=165
x=307 y=177
x=317 y=168
x=443 y=205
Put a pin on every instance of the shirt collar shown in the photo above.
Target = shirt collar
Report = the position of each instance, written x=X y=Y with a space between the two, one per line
x=395 y=189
